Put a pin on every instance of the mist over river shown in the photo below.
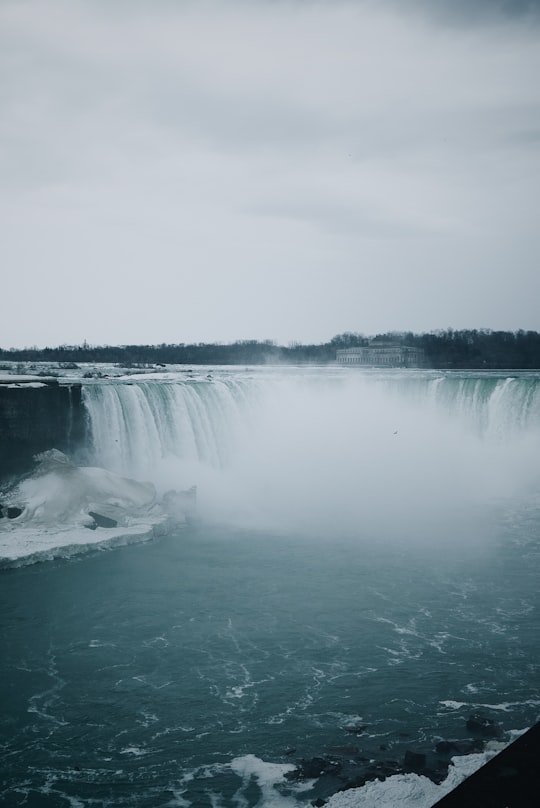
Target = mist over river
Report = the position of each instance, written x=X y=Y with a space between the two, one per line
x=361 y=578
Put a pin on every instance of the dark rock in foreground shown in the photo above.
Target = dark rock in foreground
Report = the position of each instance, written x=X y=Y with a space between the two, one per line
x=347 y=766
x=11 y=511
x=313 y=768
x=509 y=780
x=482 y=725
x=451 y=748
x=34 y=419
x=414 y=761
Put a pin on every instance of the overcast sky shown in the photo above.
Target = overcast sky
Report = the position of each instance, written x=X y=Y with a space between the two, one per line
x=176 y=171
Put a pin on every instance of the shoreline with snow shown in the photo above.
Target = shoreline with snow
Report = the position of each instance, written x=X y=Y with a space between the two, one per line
x=61 y=509
x=21 y=546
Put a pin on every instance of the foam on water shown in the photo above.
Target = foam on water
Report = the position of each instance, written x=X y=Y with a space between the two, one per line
x=275 y=791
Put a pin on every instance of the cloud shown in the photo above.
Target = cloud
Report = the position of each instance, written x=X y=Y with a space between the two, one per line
x=240 y=163
x=473 y=12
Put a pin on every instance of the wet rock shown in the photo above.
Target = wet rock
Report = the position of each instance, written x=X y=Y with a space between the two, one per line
x=383 y=770
x=356 y=729
x=376 y=770
x=444 y=748
x=355 y=782
x=480 y=724
x=313 y=768
x=344 y=751
x=102 y=521
x=414 y=761
x=449 y=748
x=13 y=512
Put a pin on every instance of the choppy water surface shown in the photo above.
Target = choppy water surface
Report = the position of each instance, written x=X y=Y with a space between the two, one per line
x=147 y=675
x=368 y=556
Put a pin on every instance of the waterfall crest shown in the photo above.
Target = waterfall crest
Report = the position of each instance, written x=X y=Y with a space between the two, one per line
x=324 y=447
x=137 y=423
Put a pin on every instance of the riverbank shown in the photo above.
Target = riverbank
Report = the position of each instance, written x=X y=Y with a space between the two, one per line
x=20 y=546
x=509 y=780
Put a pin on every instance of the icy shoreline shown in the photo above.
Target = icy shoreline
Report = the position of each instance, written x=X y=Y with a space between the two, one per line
x=21 y=546
x=61 y=509
x=398 y=791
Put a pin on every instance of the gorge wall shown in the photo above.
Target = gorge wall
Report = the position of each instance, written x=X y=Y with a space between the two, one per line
x=37 y=415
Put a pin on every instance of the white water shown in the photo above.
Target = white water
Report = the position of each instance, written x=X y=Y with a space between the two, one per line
x=309 y=450
x=396 y=456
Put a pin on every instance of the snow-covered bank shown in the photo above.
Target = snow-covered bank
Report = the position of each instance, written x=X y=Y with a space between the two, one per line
x=399 y=791
x=25 y=545
x=408 y=790
x=62 y=509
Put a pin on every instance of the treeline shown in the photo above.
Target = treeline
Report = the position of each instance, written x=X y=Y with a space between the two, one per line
x=443 y=349
x=466 y=349
x=244 y=352
x=519 y=350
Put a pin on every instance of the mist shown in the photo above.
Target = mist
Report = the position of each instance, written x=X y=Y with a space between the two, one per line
x=360 y=459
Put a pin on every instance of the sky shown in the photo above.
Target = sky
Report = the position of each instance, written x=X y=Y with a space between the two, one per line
x=179 y=171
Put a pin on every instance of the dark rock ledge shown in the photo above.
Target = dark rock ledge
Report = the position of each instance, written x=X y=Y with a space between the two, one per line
x=504 y=779
x=508 y=780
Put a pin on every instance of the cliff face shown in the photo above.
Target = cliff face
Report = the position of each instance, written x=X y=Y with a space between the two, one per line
x=36 y=418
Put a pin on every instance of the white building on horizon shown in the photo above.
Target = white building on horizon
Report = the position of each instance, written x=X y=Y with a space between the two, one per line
x=382 y=355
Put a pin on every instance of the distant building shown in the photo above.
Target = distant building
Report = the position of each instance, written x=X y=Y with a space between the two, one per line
x=381 y=354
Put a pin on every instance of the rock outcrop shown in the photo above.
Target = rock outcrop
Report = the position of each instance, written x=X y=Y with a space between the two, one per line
x=36 y=415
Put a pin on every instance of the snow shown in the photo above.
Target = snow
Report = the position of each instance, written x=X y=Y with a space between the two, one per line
x=24 y=384
x=400 y=791
x=408 y=790
x=20 y=546
x=24 y=380
x=56 y=501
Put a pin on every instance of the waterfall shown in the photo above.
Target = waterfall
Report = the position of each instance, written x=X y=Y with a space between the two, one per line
x=135 y=425
x=499 y=407
x=323 y=445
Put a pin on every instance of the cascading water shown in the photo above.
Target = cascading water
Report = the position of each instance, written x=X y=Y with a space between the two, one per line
x=498 y=407
x=134 y=426
x=322 y=447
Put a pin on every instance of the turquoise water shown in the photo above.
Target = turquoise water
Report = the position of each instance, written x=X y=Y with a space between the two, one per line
x=136 y=676
x=367 y=556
